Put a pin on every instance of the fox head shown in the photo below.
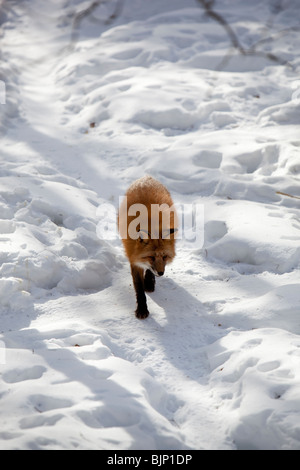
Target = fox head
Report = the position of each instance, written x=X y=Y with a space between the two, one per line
x=148 y=224
x=154 y=254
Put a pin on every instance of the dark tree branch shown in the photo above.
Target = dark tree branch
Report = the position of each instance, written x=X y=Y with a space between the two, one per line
x=207 y=5
x=88 y=12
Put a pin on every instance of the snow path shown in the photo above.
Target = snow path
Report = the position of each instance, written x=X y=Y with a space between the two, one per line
x=216 y=365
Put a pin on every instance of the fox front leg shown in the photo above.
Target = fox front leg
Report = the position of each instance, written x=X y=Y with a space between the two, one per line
x=149 y=281
x=138 y=282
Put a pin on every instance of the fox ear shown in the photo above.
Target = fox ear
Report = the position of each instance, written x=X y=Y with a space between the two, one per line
x=167 y=233
x=143 y=236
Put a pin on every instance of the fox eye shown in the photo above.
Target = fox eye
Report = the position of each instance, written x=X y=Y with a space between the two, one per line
x=152 y=258
x=165 y=257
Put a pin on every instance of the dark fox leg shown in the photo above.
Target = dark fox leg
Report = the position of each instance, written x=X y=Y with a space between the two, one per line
x=138 y=282
x=149 y=281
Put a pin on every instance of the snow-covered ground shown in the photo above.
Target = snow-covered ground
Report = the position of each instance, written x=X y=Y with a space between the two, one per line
x=92 y=103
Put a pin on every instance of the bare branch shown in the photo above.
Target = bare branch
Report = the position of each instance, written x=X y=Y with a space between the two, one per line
x=207 y=5
x=252 y=51
x=288 y=195
x=87 y=12
x=78 y=17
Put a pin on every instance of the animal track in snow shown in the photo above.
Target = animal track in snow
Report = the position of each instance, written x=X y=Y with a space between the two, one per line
x=19 y=375
x=43 y=403
x=268 y=366
x=35 y=421
x=252 y=343
x=208 y=159
x=107 y=417
x=127 y=54
x=7 y=226
x=263 y=160
x=215 y=230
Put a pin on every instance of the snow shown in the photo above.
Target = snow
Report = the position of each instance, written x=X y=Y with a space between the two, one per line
x=159 y=90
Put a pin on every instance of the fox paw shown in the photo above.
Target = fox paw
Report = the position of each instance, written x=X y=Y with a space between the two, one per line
x=141 y=313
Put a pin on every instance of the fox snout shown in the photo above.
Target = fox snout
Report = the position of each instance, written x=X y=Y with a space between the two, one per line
x=158 y=273
x=158 y=267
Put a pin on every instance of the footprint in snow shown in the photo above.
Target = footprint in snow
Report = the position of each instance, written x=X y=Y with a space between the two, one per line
x=20 y=375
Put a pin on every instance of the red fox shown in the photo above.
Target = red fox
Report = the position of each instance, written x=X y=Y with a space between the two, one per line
x=149 y=238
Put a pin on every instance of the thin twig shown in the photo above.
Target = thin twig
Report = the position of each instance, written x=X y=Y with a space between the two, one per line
x=207 y=5
x=81 y=15
x=87 y=12
x=286 y=194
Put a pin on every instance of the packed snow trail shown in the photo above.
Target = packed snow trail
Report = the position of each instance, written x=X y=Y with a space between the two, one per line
x=216 y=365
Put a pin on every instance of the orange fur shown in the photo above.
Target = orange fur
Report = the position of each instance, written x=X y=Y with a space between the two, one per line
x=148 y=234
